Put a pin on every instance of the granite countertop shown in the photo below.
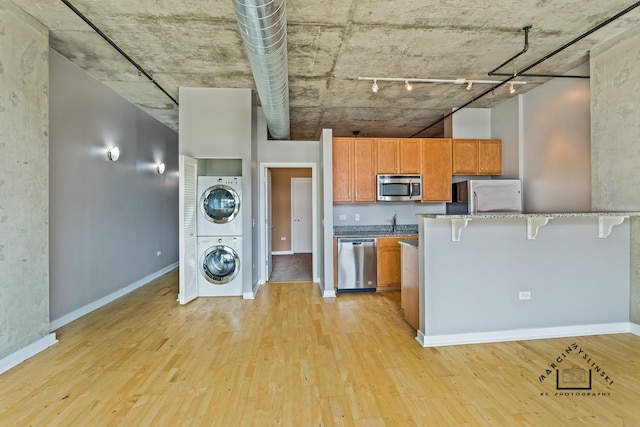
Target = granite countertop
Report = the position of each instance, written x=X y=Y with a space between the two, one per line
x=409 y=243
x=529 y=215
x=374 y=230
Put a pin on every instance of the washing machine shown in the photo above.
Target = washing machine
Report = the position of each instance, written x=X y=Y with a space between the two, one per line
x=219 y=206
x=219 y=266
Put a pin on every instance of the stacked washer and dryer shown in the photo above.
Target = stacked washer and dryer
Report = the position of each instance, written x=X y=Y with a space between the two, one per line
x=219 y=228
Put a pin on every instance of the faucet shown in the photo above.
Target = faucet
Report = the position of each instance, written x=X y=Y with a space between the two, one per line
x=394 y=224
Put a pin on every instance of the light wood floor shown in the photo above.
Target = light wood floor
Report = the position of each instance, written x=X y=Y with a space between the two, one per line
x=292 y=358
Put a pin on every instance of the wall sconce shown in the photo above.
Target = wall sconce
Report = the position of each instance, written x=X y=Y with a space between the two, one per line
x=113 y=154
x=160 y=169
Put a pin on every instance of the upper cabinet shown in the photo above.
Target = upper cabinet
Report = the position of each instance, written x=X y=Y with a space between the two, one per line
x=364 y=179
x=436 y=170
x=342 y=169
x=477 y=156
x=354 y=169
x=399 y=155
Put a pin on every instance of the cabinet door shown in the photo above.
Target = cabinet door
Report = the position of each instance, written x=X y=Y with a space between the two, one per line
x=410 y=150
x=490 y=157
x=389 y=268
x=436 y=170
x=387 y=155
x=465 y=156
x=364 y=177
x=342 y=169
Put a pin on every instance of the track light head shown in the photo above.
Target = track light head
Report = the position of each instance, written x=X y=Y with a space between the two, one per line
x=512 y=89
x=407 y=85
x=469 y=85
x=374 y=86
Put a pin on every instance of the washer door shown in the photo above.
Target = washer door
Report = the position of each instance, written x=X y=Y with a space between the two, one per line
x=220 y=264
x=220 y=204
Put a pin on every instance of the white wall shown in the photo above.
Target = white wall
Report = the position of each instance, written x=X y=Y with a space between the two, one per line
x=381 y=213
x=469 y=123
x=218 y=123
x=108 y=219
x=289 y=154
x=557 y=146
x=505 y=125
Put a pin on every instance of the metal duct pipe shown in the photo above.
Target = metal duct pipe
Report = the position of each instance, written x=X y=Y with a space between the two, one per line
x=263 y=26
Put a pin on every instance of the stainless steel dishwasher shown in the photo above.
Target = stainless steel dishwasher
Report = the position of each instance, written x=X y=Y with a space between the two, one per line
x=357 y=267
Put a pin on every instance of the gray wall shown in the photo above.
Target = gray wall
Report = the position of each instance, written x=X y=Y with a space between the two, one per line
x=24 y=180
x=557 y=146
x=615 y=131
x=108 y=219
x=575 y=278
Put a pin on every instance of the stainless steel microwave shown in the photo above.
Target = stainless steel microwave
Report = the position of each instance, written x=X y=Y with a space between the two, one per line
x=398 y=188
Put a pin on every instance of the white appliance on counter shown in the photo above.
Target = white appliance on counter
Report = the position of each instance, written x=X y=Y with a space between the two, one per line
x=489 y=195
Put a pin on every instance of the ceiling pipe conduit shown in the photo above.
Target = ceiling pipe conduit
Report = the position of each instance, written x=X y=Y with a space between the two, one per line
x=263 y=27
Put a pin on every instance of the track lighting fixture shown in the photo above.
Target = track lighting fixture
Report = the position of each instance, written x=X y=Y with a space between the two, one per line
x=113 y=154
x=460 y=81
x=512 y=89
x=160 y=168
x=374 y=86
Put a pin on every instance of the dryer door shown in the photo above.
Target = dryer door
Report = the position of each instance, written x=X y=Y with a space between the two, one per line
x=220 y=204
x=220 y=264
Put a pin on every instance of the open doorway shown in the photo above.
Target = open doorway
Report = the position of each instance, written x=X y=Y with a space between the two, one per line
x=290 y=219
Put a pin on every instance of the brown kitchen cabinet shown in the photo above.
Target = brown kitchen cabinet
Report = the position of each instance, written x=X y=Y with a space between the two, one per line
x=399 y=155
x=436 y=170
x=389 y=262
x=477 y=156
x=354 y=169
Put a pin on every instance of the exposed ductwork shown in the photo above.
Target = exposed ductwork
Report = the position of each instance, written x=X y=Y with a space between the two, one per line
x=263 y=26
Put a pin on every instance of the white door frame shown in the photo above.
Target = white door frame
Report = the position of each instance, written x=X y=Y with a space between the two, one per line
x=263 y=214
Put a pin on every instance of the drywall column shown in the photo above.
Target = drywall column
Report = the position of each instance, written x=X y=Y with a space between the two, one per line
x=615 y=131
x=24 y=181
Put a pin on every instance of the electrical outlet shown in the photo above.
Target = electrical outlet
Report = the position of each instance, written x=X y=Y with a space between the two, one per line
x=283 y=238
x=526 y=295
x=158 y=253
x=357 y=216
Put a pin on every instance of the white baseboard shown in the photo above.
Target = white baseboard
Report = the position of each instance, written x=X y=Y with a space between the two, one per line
x=254 y=291
x=24 y=353
x=634 y=328
x=76 y=314
x=522 y=334
x=327 y=293
x=282 y=253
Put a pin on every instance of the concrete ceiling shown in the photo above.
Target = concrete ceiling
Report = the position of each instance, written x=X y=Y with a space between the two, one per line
x=196 y=43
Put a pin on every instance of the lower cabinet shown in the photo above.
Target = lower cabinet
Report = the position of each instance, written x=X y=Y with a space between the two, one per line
x=409 y=293
x=389 y=262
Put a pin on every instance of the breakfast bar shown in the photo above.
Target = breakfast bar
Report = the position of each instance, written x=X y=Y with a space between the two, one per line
x=503 y=277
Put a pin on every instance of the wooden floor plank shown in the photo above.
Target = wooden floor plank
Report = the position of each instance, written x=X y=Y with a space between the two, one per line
x=291 y=357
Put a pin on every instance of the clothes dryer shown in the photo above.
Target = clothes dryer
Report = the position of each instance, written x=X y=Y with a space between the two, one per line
x=219 y=266
x=219 y=206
